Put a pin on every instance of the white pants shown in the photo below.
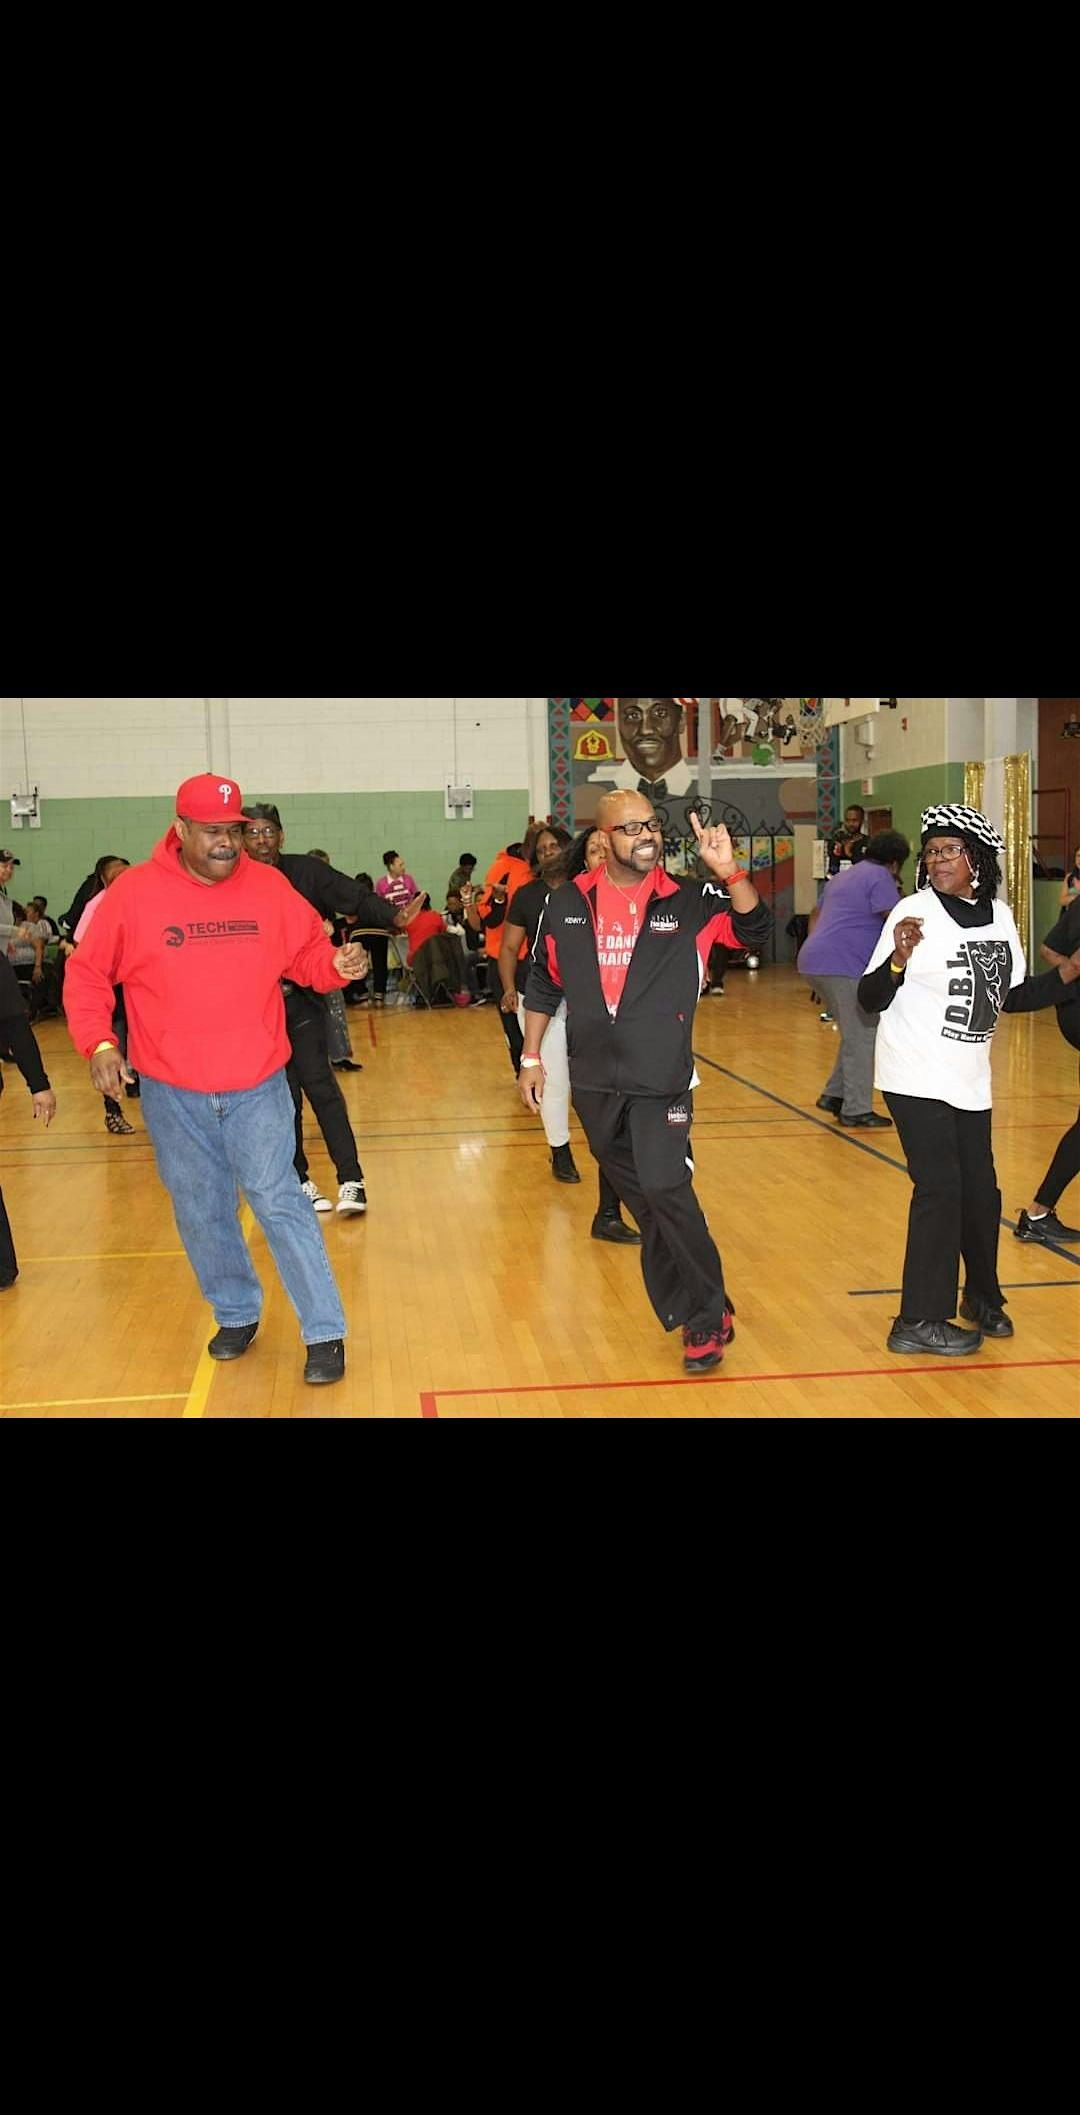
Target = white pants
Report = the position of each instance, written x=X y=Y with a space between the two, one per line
x=555 y=1106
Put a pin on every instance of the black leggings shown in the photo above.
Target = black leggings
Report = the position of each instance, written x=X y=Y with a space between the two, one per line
x=956 y=1209
x=1063 y=1169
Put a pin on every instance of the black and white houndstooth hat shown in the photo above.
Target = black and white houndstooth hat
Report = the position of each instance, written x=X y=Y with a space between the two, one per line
x=967 y=822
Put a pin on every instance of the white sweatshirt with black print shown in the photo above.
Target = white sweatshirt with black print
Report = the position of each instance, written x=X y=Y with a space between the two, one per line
x=937 y=1020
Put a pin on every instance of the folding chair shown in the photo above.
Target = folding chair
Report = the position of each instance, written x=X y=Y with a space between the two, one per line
x=399 y=954
x=397 y=957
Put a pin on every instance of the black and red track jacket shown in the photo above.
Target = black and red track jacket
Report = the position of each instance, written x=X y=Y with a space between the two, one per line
x=648 y=1047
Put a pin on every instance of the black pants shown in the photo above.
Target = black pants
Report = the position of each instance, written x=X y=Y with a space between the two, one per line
x=120 y=1031
x=719 y=958
x=379 y=952
x=608 y=1203
x=1063 y=1169
x=510 y=1022
x=9 y=1267
x=309 y=1072
x=956 y=1209
x=643 y=1147
x=40 y=998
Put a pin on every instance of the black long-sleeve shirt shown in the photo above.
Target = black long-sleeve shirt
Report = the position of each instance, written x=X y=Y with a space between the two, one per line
x=336 y=895
x=16 y=1032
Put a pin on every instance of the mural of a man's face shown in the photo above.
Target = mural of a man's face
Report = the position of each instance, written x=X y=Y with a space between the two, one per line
x=650 y=730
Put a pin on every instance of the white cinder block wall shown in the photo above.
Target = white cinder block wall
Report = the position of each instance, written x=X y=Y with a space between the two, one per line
x=74 y=748
x=354 y=775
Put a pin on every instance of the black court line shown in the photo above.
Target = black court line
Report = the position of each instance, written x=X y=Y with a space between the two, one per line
x=834 y=1130
x=882 y=1292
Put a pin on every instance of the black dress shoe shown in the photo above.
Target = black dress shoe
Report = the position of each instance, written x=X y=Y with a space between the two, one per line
x=869 y=1122
x=607 y=1226
x=993 y=1321
x=347 y=1065
x=831 y=1102
x=562 y=1165
x=943 y=1339
x=232 y=1343
x=325 y=1363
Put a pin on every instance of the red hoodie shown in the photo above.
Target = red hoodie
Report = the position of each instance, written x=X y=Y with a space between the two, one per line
x=201 y=968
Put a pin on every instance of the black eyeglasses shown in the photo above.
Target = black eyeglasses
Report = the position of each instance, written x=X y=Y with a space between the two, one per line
x=634 y=829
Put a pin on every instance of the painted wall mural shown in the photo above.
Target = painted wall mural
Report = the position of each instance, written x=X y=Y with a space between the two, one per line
x=764 y=784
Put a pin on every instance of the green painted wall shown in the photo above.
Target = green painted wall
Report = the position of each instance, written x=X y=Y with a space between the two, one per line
x=907 y=793
x=1047 y=911
x=355 y=828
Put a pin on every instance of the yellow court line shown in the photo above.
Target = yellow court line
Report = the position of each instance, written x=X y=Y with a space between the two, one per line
x=207 y=1367
x=82 y=1402
x=114 y=1255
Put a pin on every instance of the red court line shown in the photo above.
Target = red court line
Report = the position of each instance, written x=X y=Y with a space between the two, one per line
x=429 y=1399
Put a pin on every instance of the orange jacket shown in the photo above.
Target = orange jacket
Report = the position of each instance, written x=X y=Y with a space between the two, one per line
x=513 y=875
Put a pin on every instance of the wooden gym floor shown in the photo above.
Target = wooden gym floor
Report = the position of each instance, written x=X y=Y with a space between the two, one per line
x=473 y=1289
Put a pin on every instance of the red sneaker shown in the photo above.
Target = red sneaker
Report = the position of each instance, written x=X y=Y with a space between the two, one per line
x=703 y=1349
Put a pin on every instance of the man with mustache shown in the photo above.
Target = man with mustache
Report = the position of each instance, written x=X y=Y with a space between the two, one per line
x=626 y=947
x=650 y=730
x=200 y=937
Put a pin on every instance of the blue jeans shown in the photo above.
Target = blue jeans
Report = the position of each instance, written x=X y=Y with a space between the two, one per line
x=209 y=1147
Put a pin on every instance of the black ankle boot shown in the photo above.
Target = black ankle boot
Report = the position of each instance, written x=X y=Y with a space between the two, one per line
x=562 y=1165
x=611 y=1226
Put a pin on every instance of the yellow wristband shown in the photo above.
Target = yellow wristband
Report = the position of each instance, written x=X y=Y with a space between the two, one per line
x=898 y=972
x=104 y=1046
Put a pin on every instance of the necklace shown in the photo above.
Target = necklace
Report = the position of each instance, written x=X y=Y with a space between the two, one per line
x=627 y=892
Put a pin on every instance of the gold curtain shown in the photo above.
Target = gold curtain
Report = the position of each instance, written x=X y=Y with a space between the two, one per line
x=1016 y=830
x=1017 y=835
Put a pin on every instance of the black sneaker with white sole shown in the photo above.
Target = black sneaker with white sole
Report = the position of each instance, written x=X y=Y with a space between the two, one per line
x=315 y=1197
x=1048 y=1228
x=352 y=1197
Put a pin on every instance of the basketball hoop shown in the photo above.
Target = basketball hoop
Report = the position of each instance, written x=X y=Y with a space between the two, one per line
x=813 y=732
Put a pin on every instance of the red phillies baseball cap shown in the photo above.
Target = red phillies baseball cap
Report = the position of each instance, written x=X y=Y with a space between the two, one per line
x=209 y=799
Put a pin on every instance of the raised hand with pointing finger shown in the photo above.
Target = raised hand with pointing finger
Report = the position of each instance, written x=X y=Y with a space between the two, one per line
x=715 y=847
x=716 y=852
